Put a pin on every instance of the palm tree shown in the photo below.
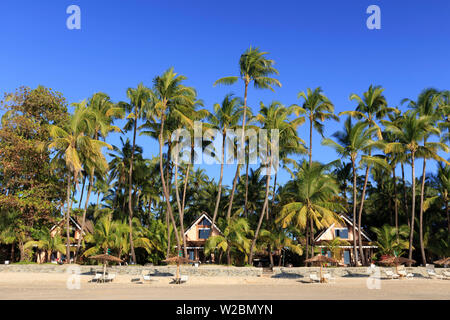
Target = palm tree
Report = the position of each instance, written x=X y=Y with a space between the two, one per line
x=225 y=117
x=426 y=105
x=169 y=93
x=441 y=182
x=104 y=112
x=233 y=238
x=355 y=139
x=311 y=193
x=253 y=67
x=47 y=242
x=318 y=108
x=104 y=236
x=274 y=119
x=139 y=100
x=410 y=132
x=390 y=241
x=371 y=106
x=335 y=247
x=72 y=142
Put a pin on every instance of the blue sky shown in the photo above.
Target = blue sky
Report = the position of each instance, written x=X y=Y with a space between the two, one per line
x=314 y=43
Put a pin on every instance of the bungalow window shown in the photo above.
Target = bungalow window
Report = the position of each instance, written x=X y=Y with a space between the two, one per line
x=203 y=233
x=341 y=233
x=205 y=222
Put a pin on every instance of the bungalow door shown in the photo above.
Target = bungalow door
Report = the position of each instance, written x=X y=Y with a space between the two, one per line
x=346 y=257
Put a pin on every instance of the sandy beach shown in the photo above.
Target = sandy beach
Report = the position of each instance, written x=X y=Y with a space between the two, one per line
x=18 y=285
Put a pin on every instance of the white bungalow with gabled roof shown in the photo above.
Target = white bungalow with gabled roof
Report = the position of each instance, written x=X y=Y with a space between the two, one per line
x=344 y=230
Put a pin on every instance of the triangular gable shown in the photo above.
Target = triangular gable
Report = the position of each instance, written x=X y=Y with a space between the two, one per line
x=204 y=215
x=62 y=221
x=348 y=221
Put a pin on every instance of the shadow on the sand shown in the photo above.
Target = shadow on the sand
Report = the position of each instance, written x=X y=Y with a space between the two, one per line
x=285 y=275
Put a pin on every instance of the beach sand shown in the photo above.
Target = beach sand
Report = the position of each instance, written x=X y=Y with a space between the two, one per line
x=18 y=285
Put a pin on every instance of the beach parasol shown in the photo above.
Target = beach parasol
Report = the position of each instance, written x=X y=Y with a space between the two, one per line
x=105 y=258
x=444 y=261
x=396 y=261
x=178 y=261
x=321 y=259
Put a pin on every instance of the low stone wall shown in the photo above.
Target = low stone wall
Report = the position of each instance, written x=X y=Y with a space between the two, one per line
x=206 y=270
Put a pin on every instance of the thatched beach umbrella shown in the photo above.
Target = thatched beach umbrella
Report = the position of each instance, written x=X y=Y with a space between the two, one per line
x=396 y=261
x=444 y=261
x=321 y=259
x=178 y=260
x=105 y=258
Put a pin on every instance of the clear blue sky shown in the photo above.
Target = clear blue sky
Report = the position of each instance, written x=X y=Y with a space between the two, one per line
x=314 y=43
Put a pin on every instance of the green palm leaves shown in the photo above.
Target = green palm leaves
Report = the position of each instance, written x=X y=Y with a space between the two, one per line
x=312 y=192
x=254 y=67
x=390 y=242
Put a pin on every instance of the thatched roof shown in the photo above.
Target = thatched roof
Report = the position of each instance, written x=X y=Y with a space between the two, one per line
x=321 y=258
x=443 y=261
x=106 y=257
x=396 y=260
x=178 y=260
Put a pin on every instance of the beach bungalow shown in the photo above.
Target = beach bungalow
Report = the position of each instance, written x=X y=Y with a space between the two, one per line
x=197 y=234
x=343 y=230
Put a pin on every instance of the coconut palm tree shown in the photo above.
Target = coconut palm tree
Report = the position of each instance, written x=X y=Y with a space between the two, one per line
x=312 y=192
x=335 y=247
x=225 y=117
x=390 y=241
x=371 y=106
x=410 y=132
x=139 y=101
x=234 y=238
x=104 y=112
x=426 y=105
x=71 y=142
x=441 y=182
x=318 y=108
x=48 y=243
x=168 y=92
x=354 y=140
x=274 y=119
x=254 y=68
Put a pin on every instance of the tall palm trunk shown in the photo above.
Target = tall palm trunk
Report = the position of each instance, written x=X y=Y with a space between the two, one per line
x=130 y=187
x=166 y=193
x=355 y=252
x=446 y=211
x=311 y=234
x=180 y=208
x=394 y=178
x=413 y=207
x=82 y=191
x=167 y=212
x=311 y=230
x=216 y=208
x=261 y=217
x=67 y=219
x=245 y=150
x=363 y=195
x=236 y=176
x=83 y=221
x=246 y=184
x=422 y=190
x=233 y=190
x=405 y=201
